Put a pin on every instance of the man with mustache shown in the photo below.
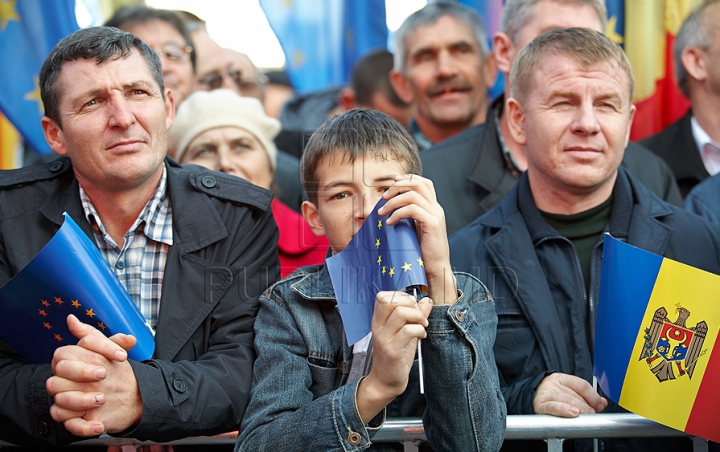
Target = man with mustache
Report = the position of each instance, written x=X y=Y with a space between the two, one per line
x=443 y=66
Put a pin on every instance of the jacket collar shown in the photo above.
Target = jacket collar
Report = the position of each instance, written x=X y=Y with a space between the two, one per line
x=315 y=284
x=196 y=224
x=490 y=172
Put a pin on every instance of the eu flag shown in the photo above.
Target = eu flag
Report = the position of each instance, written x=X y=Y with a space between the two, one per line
x=323 y=39
x=68 y=276
x=29 y=29
x=656 y=350
x=379 y=257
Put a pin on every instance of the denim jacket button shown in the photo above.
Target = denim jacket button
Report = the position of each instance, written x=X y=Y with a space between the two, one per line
x=460 y=316
x=354 y=438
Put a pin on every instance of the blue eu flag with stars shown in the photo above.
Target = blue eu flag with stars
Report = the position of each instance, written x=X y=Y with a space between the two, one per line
x=29 y=29
x=68 y=276
x=378 y=258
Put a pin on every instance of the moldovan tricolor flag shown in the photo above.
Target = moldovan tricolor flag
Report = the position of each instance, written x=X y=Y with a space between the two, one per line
x=648 y=37
x=657 y=327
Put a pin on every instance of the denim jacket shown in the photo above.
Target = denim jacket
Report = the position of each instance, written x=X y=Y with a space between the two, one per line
x=300 y=399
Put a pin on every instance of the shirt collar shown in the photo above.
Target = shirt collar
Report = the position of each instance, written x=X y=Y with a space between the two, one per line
x=421 y=140
x=709 y=150
x=156 y=212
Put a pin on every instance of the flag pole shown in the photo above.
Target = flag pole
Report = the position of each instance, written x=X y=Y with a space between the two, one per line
x=419 y=353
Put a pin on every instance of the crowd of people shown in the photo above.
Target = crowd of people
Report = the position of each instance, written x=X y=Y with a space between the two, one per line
x=217 y=211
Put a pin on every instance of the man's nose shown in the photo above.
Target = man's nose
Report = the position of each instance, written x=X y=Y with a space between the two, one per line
x=586 y=120
x=121 y=114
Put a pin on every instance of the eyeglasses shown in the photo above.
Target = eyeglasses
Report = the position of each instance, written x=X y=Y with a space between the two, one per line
x=246 y=86
x=251 y=86
x=214 y=80
x=174 y=52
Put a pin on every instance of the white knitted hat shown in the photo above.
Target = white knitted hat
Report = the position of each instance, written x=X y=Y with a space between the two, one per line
x=205 y=110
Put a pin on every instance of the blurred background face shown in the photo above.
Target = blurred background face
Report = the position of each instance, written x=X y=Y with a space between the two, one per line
x=169 y=44
x=231 y=150
x=252 y=82
x=212 y=65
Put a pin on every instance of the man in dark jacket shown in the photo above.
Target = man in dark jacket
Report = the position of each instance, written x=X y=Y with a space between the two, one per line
x=474 y=170
x=194 y=248
x=571 y=107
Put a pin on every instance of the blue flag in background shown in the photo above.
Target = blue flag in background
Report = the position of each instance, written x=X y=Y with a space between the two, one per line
x=489 y=11
x=379 y=257
x=29 y=29
x=68 y=276
x=323 y=39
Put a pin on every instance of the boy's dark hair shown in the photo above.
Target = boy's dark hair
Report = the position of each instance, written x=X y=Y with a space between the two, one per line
x=354 y=134
x=131 y=15
x=94 y=43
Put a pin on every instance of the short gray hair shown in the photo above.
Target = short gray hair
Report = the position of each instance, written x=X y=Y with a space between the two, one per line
x=695 y=32
x=430 y=14
x=517 y=13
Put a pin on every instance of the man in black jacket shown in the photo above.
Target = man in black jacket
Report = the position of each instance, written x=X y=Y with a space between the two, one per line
x=194 y=248
x=541 y=247
x=474 y=170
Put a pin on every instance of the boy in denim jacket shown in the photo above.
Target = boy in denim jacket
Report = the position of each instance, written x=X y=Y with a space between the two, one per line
x=310 y=389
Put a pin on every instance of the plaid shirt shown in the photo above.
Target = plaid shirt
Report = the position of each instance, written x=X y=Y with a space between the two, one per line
x=140 y=264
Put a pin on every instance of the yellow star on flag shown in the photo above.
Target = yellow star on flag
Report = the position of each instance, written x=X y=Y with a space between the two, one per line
x=76 y=304
x=377 y=243
x=392 y=271
x=35 y=95
x=7 y=13
x=42 y=312
x=383 y=269
x=58 y=300
x=379 y=224
x=610 y=30
x=379 y=261
x=102 y=326
x=45 y=303
x=407 y=266
x=419 y=259
x=46 y=325
x=90 y=313
x=58 y=337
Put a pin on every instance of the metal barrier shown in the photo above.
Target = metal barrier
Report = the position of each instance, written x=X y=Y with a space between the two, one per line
x=550 y=428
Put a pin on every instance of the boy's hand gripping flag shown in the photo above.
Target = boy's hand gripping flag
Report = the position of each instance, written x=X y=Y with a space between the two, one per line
x=657 y=327
x=379 y=257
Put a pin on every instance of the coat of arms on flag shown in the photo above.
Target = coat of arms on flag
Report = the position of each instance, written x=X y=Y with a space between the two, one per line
x=660 y=363
x=673 y=346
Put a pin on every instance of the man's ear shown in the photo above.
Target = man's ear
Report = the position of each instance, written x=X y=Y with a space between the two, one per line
x=516 y=120
x=312 y=218
x=169 y=108
x=401 y=86
x=694 y=63
x=490 y=66
x=53 y=135
x=347 y=99
x=502 y=49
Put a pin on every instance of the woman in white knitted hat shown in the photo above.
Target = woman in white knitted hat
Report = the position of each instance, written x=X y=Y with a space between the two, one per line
x=223 y=131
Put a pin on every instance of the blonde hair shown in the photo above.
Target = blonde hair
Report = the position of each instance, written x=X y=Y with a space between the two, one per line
x=585 y=46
